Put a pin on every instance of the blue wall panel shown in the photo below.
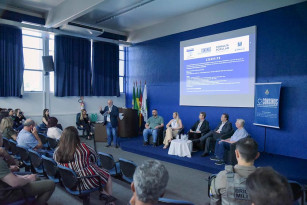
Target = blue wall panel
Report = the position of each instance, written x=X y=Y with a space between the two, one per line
x=281 y=56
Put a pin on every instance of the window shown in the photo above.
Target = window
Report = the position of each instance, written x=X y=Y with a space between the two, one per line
x=32 y=54
x=33 y=50
x=122 y=74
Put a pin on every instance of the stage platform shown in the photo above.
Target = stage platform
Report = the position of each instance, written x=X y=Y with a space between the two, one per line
x=292 y=168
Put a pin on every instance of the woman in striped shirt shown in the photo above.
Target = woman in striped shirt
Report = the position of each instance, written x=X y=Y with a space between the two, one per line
x=82 y=159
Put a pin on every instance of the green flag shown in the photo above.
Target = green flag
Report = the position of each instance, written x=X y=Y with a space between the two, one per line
x=133 y=96
x=136 y=107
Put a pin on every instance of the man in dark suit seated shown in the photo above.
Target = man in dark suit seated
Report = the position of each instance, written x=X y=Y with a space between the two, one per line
x=201 y=127
x=223 y=128
x=110 y=114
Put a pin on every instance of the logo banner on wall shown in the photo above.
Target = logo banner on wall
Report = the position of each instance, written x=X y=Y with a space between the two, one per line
x=267 y=96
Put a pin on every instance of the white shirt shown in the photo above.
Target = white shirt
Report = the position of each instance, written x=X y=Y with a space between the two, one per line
x=108 y=116
x=174 y=124
x=54 y=132
x=221 y=127
x=199 y=125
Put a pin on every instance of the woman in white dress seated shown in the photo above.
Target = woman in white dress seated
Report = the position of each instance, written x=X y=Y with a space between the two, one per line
x=172 y=129
x=53 y=131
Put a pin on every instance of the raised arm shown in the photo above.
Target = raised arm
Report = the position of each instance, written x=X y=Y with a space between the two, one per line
x=39 y=144
x=101 y=110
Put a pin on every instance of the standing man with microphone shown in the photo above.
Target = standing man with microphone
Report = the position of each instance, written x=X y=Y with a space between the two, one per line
x=110 y=114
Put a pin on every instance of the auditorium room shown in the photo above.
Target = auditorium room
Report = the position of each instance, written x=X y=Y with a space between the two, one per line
x=145 y=102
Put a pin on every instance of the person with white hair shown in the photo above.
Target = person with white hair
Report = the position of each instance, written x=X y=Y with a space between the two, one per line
x=223 y=145
x=28 y=136
x=110 y=113
x=149 y=183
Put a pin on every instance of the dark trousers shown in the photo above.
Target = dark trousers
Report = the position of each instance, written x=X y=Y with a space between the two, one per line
x=193 y=135
x=210 y=140
x=42 y=190
x=87 y=128
x=220 y=148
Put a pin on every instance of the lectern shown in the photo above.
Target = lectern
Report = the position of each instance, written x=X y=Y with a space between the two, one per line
x=127 y=127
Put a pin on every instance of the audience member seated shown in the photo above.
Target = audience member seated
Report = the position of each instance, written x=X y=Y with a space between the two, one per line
x=266 y=187
x=6 y=128
x=152 y=125
x=18 y=119
x=172 y=129
x=223 y=128
x=28 y=136
x=11 y=162
x=200 y=128
x=222 y=189
x=45 y=118
x=85 y=122
x=53 y=131
x=149 y=183
x=3 y=113
x=27 y=184
x=11 y=113
x=223 y=145
x=82 y=159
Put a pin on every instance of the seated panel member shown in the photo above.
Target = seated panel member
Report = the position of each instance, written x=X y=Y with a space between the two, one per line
x=224 y=127
x=172 y=128
x=223 y=145
x=200 y=128
x=151 y=127
x=234 y=177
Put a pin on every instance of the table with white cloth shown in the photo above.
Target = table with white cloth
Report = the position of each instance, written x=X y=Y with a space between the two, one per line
x=181 y=148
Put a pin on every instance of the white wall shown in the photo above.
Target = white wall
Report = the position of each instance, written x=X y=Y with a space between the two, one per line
x=212 y=15
x=63 y=108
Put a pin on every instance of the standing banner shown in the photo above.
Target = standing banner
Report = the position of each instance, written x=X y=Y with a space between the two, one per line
x=267 y=97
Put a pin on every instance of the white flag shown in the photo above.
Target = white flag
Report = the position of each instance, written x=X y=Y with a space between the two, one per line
x=144 y=104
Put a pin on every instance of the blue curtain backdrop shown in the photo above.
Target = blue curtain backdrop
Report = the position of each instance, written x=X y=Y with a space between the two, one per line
x=105 y=69
x=11 y=61
x=72 y=66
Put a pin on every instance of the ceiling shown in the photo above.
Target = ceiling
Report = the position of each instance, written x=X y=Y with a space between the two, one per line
x=151 y=13
x=121 y=16
x=40 y=7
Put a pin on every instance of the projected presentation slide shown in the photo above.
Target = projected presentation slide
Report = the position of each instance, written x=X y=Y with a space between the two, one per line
x=219 y=70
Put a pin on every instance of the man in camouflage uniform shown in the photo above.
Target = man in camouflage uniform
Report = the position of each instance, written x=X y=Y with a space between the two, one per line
x=229 y=186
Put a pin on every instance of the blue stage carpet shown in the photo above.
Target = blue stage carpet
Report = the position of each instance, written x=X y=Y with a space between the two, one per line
x=292 y=168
